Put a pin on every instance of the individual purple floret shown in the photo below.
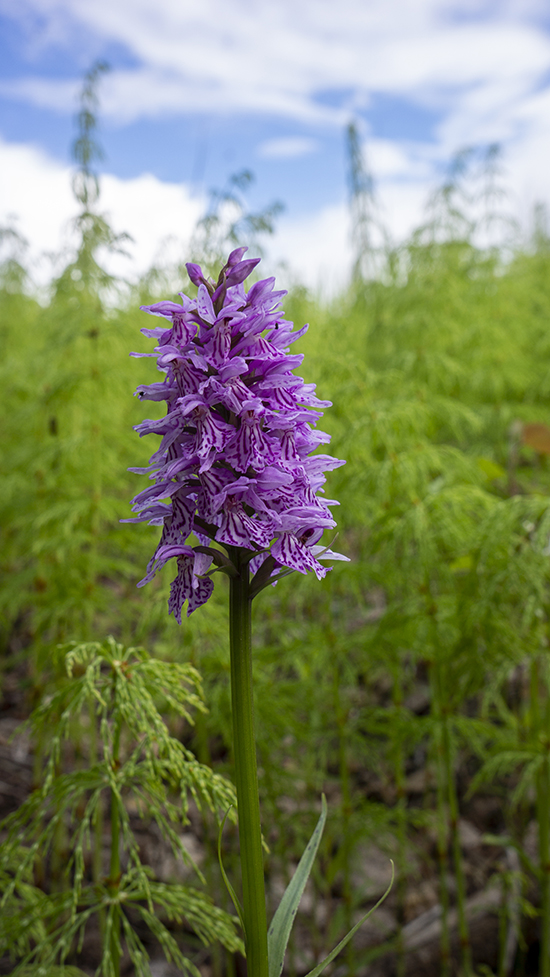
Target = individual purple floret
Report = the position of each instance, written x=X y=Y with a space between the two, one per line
x=235 y=465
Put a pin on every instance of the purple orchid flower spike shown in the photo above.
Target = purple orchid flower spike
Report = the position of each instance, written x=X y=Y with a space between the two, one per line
x=235 y=466
x=237 y=487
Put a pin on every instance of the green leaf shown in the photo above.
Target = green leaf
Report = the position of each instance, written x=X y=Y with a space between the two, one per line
x=334 y=953
x=281 y=924
x=462 y=564
x=39 y=970
x=490 y=468
x=234 y=898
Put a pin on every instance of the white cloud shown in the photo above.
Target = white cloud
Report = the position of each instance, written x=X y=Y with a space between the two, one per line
x=287 y=147
x=37 y=191
x=410 y=161
x=42 y=92
x=159 y=216
x=315 y=248
x=402 y=206
x=274 y=56
x=482 y=67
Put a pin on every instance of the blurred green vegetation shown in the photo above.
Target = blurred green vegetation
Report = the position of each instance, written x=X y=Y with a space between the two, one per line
x=439 y=373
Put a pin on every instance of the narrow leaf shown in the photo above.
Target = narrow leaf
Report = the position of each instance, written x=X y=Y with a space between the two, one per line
x=281 y=924
x=334 y=953
x=234 y=898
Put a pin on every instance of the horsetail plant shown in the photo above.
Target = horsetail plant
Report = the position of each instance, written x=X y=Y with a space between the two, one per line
x=236 y=468
x=120 y=690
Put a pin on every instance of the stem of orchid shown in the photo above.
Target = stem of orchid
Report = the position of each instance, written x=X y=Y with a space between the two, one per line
x=246 y=777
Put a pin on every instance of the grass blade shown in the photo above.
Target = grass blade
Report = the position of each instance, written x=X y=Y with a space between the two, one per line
x=281 y=924
x=228 y=886
x=334 y=953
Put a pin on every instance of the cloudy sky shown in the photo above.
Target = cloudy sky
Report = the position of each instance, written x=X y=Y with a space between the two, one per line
x=200 y=89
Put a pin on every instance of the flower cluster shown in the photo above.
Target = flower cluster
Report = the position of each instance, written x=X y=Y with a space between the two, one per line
x=235 y=462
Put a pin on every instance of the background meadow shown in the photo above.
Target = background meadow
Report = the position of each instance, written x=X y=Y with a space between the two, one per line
x=412 y=686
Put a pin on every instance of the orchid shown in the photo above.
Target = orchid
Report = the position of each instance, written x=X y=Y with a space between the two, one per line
x=236 y=464
x=236 y=469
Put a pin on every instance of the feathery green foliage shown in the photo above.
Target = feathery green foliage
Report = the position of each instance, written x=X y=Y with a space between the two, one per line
x=435 y=368
x=118 y=693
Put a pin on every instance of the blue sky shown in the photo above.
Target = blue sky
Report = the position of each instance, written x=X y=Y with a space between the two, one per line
x=200 y=89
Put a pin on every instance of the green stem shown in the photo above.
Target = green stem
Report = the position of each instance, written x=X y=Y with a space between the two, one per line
x=441 y=826
x=114 y=872
x=98 y=823
x=340 y=713
x=503 y=928
x=465 y=948
x=399 y=752
x=246 y=777
x=543 y=812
